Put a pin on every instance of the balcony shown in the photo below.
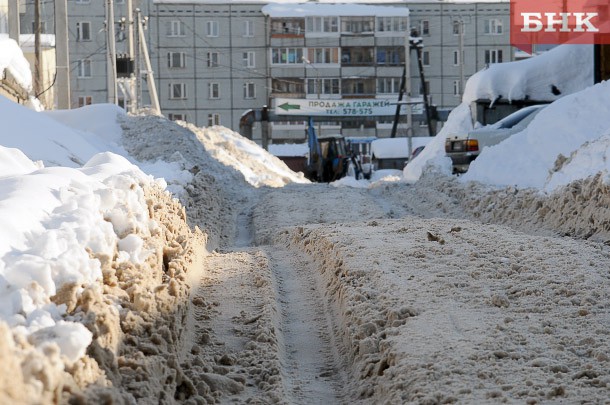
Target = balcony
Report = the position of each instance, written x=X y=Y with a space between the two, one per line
x=288 y=28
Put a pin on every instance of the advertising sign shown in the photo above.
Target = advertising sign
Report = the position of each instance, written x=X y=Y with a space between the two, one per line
x=360 y=107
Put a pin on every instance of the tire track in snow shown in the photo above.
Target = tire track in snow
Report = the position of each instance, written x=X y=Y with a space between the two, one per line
x=312 y=372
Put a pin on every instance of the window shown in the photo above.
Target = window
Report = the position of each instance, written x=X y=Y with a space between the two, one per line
x=214 y=91
x=291 y=85
x=248 y=28
x=323 y=86
x=177 y=91
x=83 y=1
x=493 y=56
x=212 y=58
x=388 y=85
x=424 y=27
x=213 y=119
x=249 y=59
x=43 y=27
x=360 y=86
x=358 y=55
x=456 y=27
x=493 y=26
x=176 y=60
x=456 y=88
x=421 y=88
x=83 y=31
x=176 y=117
x=323 y=55
x=322 y=24
x=391 y=24
x=175 y=29
x=211 y=28
x=456 y=58
x=249 y=90
x=357 y=25
x=391 y=56
x=425 y=57
x=85 y=100
x=84 y=68
x=288 y=26
x=287 y=55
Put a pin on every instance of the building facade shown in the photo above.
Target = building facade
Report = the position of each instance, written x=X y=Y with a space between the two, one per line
x=214 y=61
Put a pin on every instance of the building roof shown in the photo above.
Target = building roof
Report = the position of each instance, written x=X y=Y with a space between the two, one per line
x=334 y=9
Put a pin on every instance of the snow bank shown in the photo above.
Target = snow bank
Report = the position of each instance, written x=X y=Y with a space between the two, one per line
x=54 y=220
x=396 y=148
x=259 y=167
x=97 y=123
x=433 y=155
x=42 y=138
x=528 y=158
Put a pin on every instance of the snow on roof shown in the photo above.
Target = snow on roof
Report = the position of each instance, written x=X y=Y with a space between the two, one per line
x=12 y=60
x=289 y=149
x=27 y=41
x=335 y=9
x=396 y=148
x=545 y=77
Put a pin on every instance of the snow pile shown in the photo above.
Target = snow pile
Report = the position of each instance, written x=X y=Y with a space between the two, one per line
x=259 y=167
x=12 y=60
x=433 y=155
x=90 y=258
x=97 y=124
x=529 y=158
x=55 y=220
x=396 y=148
x=43 y=138
x=562 y=70
x=377 y=177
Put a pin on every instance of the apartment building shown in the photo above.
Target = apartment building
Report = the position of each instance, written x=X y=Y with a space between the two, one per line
x=214 y=60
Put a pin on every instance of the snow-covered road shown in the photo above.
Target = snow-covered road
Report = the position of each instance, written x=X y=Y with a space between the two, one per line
x=388 y=295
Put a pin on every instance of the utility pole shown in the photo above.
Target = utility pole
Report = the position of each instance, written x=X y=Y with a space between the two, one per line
x=150 y=79
x=13 y=20
x=62 y=55
x=408 y=91
x=111 y=54
x=418 y=48
x=405 y=90
x=138 y=58
x=461 y=56
x=133 y=102
x=37 y=53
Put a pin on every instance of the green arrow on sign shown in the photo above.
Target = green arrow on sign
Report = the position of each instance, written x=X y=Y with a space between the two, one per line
x=287 y=106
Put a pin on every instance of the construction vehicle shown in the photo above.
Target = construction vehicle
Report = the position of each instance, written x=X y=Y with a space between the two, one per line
x=328 y=158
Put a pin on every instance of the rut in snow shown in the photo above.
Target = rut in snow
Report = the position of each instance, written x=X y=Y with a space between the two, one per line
x=311 y=365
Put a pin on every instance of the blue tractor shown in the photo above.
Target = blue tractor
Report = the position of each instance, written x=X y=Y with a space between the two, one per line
x=328 y=157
